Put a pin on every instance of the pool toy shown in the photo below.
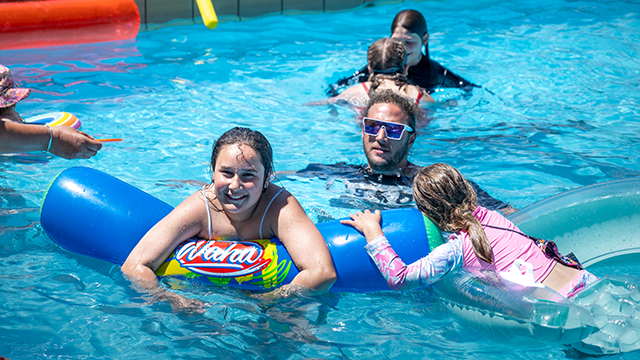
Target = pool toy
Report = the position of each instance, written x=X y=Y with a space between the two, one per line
x=597 y=223
x=32 y=24
x=615 y=303
x=209 y=17
x=55 y=119
x=511 y=313
x=91 y=213
x=599 y=320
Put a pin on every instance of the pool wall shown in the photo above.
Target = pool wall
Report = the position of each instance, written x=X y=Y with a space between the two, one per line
x=159 y=13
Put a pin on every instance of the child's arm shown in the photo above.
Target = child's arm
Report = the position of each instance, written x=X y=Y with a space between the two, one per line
x=398 y=275
x=184 y=222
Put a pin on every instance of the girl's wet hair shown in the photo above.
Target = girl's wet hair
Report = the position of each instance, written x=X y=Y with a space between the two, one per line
x=248 y=137
x=446 y=197
x=386 y=56
x=411 y=20
x=387 y=59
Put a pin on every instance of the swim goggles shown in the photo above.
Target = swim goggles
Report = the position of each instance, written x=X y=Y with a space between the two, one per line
x=394 y=130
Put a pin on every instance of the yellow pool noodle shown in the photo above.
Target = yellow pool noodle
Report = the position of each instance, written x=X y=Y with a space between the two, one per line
x=209 y=16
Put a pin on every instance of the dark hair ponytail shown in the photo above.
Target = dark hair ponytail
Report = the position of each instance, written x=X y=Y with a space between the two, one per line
x=444 y=196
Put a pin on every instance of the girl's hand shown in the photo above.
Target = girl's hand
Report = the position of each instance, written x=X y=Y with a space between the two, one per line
x=367 y=222
x=182 y=304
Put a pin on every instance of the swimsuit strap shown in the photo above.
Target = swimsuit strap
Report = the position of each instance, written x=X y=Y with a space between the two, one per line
x=366 y=89
x=267 y=210
x=515 y=231
x=548 y=247
x=206 y=204
x=419 y=97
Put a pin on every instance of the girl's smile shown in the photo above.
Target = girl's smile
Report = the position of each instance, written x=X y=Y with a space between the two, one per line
x=238 y=179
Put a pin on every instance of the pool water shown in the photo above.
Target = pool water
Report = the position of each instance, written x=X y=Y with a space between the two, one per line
x=558 y=110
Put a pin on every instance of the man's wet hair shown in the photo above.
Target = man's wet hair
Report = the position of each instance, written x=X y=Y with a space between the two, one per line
x=391 y=97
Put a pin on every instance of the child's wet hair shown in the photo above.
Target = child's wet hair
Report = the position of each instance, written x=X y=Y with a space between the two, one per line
x=8 y=109
x=387 y=59
x=443 y=195
x=248 y=137
x=387 y=56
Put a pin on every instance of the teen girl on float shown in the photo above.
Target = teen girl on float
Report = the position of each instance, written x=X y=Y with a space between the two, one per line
x=482 y=239
x=239 y=204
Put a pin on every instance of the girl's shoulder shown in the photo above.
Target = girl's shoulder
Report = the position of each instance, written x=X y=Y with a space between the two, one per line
x=357 y=90
x=197 y=196
x=280 y=202
x=196 y=204
x=276 y=196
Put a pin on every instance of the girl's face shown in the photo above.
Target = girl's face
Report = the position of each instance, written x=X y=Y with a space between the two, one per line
x=412 y=44
x=238 y=178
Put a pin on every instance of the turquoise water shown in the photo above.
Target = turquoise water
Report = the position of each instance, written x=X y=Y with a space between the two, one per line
x=558 y=110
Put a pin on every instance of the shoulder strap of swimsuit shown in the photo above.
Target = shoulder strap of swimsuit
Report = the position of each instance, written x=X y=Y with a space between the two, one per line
x=366 y=89
x=548 y=247
x=267 y=210
x=515 y=231
x=419 y=97
x=206 y=205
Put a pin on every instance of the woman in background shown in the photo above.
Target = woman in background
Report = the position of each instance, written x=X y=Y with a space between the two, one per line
x=410 y=27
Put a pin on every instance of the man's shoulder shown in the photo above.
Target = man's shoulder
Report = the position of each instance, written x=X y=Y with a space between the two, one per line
x=337 y=169
x=411 y=170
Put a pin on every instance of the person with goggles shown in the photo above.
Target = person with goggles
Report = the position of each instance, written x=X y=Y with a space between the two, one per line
x=385 y=181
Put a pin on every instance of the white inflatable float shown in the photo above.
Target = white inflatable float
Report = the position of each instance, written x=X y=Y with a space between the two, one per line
x=598 y=224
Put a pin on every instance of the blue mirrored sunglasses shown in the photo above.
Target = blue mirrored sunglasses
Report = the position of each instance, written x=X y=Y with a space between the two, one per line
x=394 y=130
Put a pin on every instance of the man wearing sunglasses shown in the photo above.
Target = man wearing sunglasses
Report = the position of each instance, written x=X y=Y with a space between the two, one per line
x=388 y=133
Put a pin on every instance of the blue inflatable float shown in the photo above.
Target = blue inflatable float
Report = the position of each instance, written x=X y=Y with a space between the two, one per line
x=91 y=213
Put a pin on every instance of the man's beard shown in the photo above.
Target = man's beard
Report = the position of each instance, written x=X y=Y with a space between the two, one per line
x=389 y=166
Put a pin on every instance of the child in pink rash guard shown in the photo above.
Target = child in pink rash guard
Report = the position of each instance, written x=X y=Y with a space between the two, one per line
x=482 y=239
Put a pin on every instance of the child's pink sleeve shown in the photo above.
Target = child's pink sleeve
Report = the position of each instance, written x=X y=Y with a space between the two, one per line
x=425 y=271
